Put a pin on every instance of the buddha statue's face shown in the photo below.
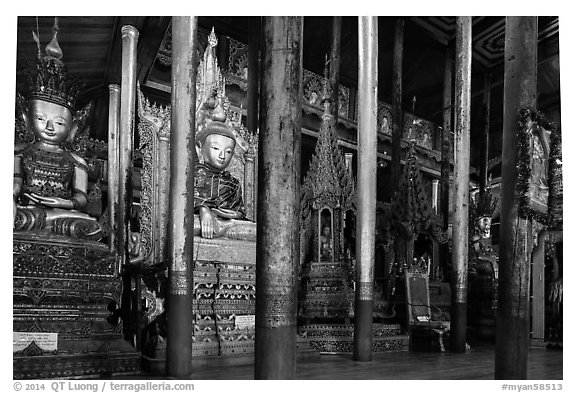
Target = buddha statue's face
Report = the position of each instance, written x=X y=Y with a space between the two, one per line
x=483 y=225
x=50 y=122
x=218 y=150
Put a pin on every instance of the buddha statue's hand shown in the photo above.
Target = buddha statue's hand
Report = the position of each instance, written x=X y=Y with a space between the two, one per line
x=207 y=222
x=53 y=202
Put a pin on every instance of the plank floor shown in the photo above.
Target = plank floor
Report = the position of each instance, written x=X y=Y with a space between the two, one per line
x=477 y=364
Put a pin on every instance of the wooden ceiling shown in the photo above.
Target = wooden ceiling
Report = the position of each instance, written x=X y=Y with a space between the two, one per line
x=92 y=50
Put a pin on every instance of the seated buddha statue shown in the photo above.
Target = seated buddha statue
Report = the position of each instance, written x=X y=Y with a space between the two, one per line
x=50 y=182
x=218 y=205
x=484 y=261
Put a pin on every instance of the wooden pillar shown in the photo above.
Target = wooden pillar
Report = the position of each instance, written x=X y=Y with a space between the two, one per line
x=254 y=38
x=113 y=164
x=512 y=328
x=126 y=137
x=446 y=147
x=335 y=65
x=366 y=213
x=125 y=170
x=181 y=203
x=277 y=246
x=397 y=113
x=252 y=109
x=446 y=157
x=461 y=183
x=485 y=146
x=538 y=290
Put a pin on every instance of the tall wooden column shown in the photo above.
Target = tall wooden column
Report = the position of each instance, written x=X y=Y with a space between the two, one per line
x=125 y=170
x=113 y=164
x=366 y=213
x=181 y=203
x=335 y=65
x=126 y=137
x=254 y=38
x=461 y=183
x=512 y=328
x=446 y=153
x=485 y=135
x=277 y=246
x=397 y=113
x=538 y=289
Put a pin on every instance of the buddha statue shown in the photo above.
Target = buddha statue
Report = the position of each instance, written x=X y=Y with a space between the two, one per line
x=50 y=182
x=484 y=261
x=483 y=270
x=217 y=194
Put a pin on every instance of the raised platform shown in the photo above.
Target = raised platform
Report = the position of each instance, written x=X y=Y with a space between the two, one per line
x=67 y=287
x=339 y=338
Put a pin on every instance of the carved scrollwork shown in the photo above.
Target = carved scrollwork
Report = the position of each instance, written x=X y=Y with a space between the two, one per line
x=154 y=132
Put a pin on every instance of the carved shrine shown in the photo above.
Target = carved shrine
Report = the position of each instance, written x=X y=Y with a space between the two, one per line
x=326 y=295
x=224 y=269
x=67 y=287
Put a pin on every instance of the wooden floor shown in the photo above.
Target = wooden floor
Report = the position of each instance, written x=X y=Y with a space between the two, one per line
x=477 y=364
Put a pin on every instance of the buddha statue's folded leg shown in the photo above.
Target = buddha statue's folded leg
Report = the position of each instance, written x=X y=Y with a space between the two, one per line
x=232 y=229
x=74 y=224
x=241 y=230
x=29 y=218
x=76 y=227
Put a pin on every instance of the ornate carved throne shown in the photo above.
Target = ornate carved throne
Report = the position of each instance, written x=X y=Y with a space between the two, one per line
x=224 y=269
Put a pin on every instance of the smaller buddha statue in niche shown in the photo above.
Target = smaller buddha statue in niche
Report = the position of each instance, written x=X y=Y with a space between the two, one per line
x=50 y=182
x=326 y=243
x=217 y=194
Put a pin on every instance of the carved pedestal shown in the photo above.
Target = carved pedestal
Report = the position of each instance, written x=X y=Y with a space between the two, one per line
x=224 y=298
x=339 y=338
x=224 y=306
x=69 y=287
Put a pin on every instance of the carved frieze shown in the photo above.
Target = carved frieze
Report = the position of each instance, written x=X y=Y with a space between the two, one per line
x=60 y=257
x=312 y=94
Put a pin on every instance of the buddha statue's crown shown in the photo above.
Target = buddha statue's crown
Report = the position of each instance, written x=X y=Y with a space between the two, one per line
x=49 y=79
x=485 y=205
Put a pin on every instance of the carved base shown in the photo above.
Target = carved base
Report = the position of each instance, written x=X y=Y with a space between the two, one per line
x=339 y=338
x=69 y=287
x=93 y=365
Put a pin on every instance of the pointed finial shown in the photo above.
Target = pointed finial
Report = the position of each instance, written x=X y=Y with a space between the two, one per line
x=212 y=40
x=326 y=88
x=53 y=50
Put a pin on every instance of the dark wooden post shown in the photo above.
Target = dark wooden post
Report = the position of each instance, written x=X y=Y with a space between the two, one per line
x=277 y=246
x=113 y=164
x=335 y=65
x=461 y=183
x=446 y=153
x=254 y=38
x=181 y=199
x=366 y=213
x=512 y=327
x=398 y=115
x=538 y=289
x=485 y=135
